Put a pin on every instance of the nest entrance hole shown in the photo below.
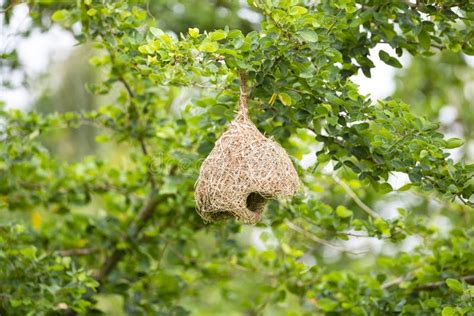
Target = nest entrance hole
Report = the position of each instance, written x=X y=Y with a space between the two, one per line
x=256 y=202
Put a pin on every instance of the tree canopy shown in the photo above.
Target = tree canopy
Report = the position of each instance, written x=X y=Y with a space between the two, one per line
x=114 y=229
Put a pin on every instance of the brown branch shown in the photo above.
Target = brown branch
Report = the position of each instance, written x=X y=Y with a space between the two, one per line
x=145 y=213
x=141 y=220
x=151 y=176
x=356 y=199
x=427 y=286
x=434 y=285
x=77 y=252
x=143 y=146
x=319 y=240
x=392 y=283
x=127 y=87
x=434 y=45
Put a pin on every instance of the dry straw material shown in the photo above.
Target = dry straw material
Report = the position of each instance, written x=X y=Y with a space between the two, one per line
x=243 y=171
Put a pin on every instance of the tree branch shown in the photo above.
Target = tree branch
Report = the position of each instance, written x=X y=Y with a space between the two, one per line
x=127 y=87
x=77 y=252
x=427 y=286
x=151 y=176
x=146 y=212
x=319 y=240
x=434 y=285
x=356 y=199
x=141 y=220
x=143 y=146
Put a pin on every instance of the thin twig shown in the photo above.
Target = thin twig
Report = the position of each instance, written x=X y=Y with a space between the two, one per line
x=165 y=246
x=151 y=176
x=356 y=199
x=77 y=252
x=142 y=218
x=392 y=283
x=427 y=286
x=361 y=236
x=127 y=87
x=434 y=285
x=319 y=240
x=143 y=146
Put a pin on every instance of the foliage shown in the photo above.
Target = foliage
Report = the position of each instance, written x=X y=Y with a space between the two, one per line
x=34 y=281
x=126 y=215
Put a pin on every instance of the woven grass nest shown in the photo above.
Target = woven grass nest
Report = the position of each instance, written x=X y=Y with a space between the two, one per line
x=243 y=171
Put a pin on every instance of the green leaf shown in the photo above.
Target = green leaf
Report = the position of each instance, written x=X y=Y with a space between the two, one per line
x=454 y=142
x=298 y=10
x=389 y=60
x=145 y=49
x=102 y=138
x=322 y=158
x=343 y=212
x=170 y=185
x=414 y=177
x=59 y=15
x=217 y=35
x=425 y=40
x=405 y=187
x=471 y=198
x=455 y=285
x=384 y=188
x=208 y=46
x=327 y=304
x=92 y=12
x=156 y=31
x=193 y=32
x=448 y=311
x=285 y=98
x=382 y=226
x=308 y=35
x=205 y=147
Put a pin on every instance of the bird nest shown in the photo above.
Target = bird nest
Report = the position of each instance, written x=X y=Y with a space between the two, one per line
x=243 y=171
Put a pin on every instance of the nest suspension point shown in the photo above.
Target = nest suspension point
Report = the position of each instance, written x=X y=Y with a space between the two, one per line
x=243 y=171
